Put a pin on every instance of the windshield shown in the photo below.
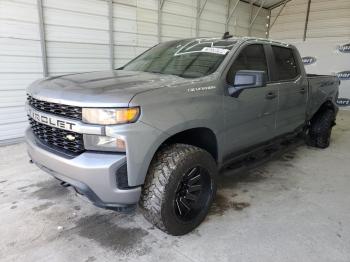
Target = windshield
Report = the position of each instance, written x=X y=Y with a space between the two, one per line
x=185 y=58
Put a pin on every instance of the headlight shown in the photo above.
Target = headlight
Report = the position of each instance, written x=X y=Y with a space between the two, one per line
x=110 y=116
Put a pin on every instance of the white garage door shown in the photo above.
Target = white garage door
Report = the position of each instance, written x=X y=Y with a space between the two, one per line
x=20 y=63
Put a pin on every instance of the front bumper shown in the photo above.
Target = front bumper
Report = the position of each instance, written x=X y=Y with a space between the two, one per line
x=91 y=173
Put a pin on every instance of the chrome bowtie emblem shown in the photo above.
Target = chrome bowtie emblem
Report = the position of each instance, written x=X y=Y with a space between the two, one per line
x=70 y=137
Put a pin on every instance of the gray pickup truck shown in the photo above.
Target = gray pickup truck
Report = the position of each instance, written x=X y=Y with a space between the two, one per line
x=157 y=131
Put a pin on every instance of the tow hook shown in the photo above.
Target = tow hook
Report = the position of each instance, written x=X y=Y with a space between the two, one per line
x=31 y=161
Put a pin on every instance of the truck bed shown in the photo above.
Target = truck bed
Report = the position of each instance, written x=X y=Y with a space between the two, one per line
x=320 y=89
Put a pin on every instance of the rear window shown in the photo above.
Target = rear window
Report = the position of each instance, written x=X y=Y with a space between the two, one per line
x=286 y=65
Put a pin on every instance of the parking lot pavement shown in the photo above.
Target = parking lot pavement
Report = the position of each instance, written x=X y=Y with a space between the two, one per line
x=293 y=208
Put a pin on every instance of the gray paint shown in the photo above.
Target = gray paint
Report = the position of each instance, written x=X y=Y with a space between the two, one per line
x=99 y=89
x=171 y=104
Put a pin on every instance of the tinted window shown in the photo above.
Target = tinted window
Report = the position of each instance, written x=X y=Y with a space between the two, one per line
x=251 y=57
x=286 y=66
x=185 y=58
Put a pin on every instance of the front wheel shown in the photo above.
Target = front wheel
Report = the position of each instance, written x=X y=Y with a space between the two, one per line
x=179 y=188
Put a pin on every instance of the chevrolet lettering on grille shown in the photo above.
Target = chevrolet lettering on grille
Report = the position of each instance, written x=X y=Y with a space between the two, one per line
x=63 y=123
x=50 y=120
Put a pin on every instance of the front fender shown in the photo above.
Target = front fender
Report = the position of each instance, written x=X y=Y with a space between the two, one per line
x=142 y=141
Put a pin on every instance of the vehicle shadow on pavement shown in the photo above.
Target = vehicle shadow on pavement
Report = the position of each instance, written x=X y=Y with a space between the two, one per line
x=232 y=192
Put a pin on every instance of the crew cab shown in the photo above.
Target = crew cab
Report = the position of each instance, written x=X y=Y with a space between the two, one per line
x=157 y=131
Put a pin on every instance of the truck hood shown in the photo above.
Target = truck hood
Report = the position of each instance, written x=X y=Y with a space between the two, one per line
x=106 y=88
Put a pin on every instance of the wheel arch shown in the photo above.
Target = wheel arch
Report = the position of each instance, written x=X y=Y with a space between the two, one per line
x=202 y=137
x=328 y=104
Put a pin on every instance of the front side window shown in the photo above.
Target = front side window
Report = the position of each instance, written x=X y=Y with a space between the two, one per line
x=286 y=66
x=185 y=58
x=252 y=57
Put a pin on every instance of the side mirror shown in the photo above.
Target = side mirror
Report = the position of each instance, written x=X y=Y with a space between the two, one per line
x=248 y=79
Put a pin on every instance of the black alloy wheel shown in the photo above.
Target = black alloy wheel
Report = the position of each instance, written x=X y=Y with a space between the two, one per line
x=192 y=194
x=179 y=188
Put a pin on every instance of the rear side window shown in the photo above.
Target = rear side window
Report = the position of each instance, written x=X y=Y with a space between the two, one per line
x=252 y=57
x=286 y=66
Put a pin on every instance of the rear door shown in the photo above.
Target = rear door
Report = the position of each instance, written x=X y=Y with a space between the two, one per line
x=292 y=89
x=250 y=115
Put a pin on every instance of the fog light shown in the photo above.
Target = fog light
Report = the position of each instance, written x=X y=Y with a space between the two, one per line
x=104 y=143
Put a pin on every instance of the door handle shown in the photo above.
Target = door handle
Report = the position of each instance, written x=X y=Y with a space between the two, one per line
x=302 y=90
x=270 y=95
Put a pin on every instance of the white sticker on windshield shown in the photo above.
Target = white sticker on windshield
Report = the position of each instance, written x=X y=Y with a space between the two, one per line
x=215 y=50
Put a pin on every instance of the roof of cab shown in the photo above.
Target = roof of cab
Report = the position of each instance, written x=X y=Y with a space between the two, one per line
x=241 y=39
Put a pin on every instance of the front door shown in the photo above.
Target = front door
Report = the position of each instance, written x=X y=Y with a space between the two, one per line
x=249 y=115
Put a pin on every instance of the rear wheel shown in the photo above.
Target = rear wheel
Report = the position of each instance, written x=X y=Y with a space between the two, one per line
x=179 y=188
x=321 y=128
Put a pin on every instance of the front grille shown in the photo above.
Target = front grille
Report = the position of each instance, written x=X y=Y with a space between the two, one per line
x=57 y=138
x=72 y=112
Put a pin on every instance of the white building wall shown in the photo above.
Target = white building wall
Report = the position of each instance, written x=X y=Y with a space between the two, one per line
x=77 y=39
x=289 y=25
x=20 y=62
x=328 y=29
x=135 y=28
x=240 y=22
